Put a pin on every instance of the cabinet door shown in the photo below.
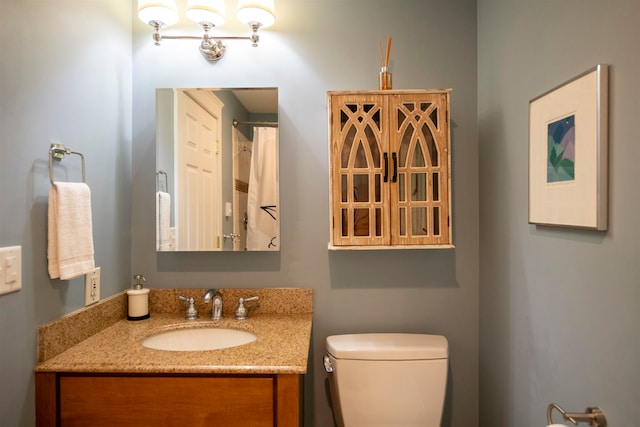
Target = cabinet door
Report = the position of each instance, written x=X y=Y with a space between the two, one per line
x=419 y=146
x=359 y=169
x=420 y=154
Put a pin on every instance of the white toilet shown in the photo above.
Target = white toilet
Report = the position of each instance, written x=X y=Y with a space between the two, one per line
x=387 y=380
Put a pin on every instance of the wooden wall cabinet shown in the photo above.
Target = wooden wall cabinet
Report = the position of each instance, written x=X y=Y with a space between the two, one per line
x=390 y=184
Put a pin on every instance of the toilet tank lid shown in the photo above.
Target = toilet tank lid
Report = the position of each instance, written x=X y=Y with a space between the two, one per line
x=388 y=346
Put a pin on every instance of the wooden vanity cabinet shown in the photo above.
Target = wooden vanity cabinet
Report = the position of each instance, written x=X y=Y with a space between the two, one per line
x=390 y=167
x=70 y=399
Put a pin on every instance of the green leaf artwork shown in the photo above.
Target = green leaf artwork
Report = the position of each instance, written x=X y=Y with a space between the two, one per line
x=561 y=139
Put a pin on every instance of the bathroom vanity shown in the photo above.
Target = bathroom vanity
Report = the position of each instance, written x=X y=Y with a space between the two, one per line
x=110 y=378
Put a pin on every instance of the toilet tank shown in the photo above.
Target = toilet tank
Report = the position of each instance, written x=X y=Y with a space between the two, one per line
x=384 y=380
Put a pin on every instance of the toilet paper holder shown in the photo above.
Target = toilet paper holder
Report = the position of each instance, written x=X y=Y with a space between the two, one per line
x=592 y=415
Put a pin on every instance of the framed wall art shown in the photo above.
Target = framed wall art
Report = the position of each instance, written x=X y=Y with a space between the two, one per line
x=568 y=153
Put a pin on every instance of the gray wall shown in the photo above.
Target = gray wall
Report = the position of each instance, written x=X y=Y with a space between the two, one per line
x=314 y=47
x=65 y=75
x=560 y=308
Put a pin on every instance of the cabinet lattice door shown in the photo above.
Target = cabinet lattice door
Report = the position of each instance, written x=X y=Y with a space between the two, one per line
x=390 y=169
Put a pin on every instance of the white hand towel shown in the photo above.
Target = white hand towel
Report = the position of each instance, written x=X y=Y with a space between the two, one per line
x=163 y=221
x=70 y=232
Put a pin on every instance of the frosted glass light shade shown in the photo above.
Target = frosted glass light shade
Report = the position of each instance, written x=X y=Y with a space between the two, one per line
x=261 y=11
x=206 y=11
x=164 y=11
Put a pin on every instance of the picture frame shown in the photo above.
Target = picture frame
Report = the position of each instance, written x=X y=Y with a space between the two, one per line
x=568 y=153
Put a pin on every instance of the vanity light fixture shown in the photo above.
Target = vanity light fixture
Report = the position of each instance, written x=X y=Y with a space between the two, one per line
x=208 y=14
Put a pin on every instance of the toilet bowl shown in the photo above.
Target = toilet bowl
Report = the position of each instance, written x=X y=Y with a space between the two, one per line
x=387 y=380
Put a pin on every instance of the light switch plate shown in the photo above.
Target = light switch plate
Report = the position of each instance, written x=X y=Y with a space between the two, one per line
x=92 y=286
x=10 y=269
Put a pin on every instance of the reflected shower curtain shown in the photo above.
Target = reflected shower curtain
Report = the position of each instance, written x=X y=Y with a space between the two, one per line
x=263 y=212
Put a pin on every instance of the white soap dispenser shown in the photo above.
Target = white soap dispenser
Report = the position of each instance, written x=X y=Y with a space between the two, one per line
x=138 y=300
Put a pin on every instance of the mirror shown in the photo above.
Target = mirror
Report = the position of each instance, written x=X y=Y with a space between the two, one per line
x=217 y=174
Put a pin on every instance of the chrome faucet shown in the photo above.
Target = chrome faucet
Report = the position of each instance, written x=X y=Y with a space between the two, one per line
x=241 y=311
x=214 y=296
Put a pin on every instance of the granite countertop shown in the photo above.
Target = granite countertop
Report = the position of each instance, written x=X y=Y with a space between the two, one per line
x=282 y=346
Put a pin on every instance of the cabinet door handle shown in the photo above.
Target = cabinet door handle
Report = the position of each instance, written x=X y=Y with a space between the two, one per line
x=395 y=167
x=386 y=167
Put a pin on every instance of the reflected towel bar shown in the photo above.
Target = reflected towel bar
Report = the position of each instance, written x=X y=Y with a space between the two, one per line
x=166 y=181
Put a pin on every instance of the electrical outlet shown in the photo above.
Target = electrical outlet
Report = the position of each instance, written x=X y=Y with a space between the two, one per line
x=92 y=286
x=10 y=269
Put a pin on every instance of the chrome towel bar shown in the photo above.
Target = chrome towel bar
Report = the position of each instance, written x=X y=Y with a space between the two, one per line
x=592 y=415
x=57 y=152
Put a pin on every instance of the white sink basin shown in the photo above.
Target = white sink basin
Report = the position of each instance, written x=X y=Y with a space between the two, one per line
x=198 y=339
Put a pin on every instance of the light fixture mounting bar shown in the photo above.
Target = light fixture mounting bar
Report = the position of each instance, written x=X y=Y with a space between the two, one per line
x=211 y=38
x=211 y=48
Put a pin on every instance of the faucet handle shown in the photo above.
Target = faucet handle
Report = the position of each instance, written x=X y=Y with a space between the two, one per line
x=192 y=311
x=241 y=311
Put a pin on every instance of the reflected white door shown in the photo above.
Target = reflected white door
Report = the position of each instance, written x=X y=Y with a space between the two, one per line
x=198 y=219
